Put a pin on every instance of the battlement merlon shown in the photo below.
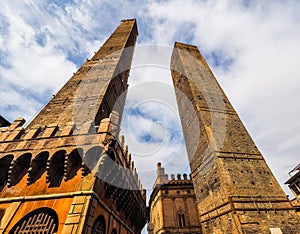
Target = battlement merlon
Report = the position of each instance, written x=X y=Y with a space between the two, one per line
x=163 y=178
x=18 y=141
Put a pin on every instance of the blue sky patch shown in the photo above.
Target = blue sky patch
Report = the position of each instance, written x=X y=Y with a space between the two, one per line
x=185 y=32
x=219 y=59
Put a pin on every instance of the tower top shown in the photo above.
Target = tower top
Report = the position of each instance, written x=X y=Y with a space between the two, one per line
x=163 y=178
x=133 y=19
x=84 y=98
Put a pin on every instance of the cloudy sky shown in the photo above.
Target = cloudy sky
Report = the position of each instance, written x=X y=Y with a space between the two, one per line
x=252 y=47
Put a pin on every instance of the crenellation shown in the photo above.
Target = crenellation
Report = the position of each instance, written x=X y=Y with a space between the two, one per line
x=15 y=134
x=70 y=166
x=86 y=128
x=32 y=133
x=17 y=123
x=4 y=134
x=128 y=159
x=50 y=130
x=121 y=140
x=172 y=205
x=68 y=129
x=63 y=155
x=125 y=150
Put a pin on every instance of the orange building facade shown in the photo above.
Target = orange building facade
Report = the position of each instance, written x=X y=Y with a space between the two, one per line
x=69 y=171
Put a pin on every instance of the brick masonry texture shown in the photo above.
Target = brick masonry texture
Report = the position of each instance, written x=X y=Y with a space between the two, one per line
x=235 y=189
x=69 y=164
x=70 y=161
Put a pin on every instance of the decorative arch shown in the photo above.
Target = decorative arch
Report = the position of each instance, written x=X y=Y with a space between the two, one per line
x=37 y=167
x=43 y=220
x=4 y=168
x=91 y=158
x=18 y=169
x=99 y=226
x=55 y=168
x=73 y=163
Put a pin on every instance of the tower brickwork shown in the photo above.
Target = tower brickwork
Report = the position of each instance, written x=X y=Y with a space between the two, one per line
x=235 y=189
x=172 y=204
x=68 y=171
x=98 y=87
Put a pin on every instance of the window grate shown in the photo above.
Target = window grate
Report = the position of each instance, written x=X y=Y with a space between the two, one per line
x=99 y=226
x=36 y=222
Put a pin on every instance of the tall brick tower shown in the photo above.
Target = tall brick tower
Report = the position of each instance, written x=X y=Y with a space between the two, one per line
x=235 y=189
x=68 y=171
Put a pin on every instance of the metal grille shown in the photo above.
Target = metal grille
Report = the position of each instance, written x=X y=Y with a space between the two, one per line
x=99 y=226
x=36 y=222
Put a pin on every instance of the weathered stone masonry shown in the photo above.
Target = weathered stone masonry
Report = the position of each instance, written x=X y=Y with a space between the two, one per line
x=68 y=171
x=235 y=189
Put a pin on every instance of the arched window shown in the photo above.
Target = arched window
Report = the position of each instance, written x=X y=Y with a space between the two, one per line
x=43 y=220
x=4 y=167
x=181 y=219
x=99 y=226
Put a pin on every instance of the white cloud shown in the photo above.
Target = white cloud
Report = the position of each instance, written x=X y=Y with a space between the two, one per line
x=261 y=42
x=257 y=47
x=150 y=123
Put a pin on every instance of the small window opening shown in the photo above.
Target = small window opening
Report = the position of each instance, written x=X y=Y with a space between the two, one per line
x=181 y=219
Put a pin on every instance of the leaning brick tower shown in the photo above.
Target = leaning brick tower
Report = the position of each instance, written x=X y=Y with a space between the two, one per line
x=68 y=171
x=235 y=189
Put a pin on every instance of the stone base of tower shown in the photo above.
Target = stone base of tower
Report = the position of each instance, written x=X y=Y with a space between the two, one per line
x=246 y=222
